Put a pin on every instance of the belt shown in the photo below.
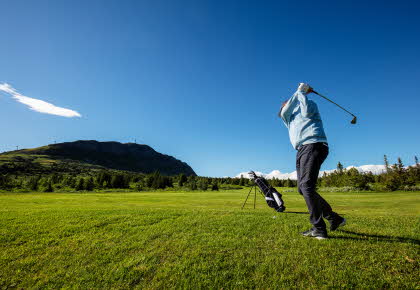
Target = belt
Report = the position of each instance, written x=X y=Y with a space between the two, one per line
x=322 y=143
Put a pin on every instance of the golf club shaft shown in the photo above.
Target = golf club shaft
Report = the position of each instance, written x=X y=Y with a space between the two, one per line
x=332 y=102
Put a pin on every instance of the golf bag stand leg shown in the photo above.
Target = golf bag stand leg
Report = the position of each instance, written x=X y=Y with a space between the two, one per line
x=249 y=193
x=255 y=195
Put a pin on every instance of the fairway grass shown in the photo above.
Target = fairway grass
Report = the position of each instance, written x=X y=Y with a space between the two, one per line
x=204 y=240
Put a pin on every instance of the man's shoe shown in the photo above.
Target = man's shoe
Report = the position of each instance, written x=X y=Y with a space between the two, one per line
x=314 y=233
x=339 y=222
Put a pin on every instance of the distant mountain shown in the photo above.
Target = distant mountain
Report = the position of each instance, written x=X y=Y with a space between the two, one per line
x=96 y=155
x=375 y=169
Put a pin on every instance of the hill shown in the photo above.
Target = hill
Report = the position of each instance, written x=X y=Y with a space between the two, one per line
x=89 y=154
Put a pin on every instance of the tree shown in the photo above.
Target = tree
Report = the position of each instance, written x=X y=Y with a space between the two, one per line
x=5 y=181
x=33 y=183
x=215 y=187
x=72 y=182
x=45 y=185
x=203 y=184
x=392 y=182
x=340 y=167
x=288 y=183
x=158 y=181
x=48 y=187
x=105 y=184
x=103 y=178
x=386 y=163
x=400 y=166
x=55 y=178
x=80 y=184
x=192 y=184
x=356 y=179
x=117 y=181
x=242 y=181
x=138 y=186
x=182 y=179
x=89 y=185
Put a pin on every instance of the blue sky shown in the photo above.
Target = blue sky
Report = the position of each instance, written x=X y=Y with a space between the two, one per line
x=203 y=80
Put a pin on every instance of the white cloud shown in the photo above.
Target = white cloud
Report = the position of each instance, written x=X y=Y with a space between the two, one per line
x=38 y=105
x=375 y=169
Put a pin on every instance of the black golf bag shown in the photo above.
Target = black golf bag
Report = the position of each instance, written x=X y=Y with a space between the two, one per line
x=272 y=196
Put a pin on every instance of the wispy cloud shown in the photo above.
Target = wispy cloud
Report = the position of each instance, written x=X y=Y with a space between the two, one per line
x=38 y=105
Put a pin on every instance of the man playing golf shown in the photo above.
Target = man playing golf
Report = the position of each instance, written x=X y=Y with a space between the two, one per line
x=302 y=119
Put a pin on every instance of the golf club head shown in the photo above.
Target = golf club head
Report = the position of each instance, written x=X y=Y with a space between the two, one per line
x=354 y=120
x=252 y=175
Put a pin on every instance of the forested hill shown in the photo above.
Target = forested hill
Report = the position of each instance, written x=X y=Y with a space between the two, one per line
x=81 y=155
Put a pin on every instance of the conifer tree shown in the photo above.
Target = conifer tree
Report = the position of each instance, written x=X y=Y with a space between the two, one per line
x=340 y=167
x=400 y=165
x=386 y=164
x=182 y=179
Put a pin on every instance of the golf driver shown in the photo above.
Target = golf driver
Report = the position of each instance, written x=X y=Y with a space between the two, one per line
x=353 y=121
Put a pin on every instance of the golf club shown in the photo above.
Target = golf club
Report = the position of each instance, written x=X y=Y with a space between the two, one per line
x=353 y=121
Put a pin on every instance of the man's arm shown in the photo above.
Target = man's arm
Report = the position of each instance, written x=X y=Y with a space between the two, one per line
x=287 y=109
x=303 y=102
x=301 y=93
x=299 y=96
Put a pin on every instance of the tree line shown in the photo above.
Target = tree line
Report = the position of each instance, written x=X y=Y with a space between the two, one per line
x=104 y=180
x=395 y=177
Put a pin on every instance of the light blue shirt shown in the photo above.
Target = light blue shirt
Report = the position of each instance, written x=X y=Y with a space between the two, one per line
x=302 y=119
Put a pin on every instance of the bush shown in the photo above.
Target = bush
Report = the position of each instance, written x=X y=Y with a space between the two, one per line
x=203 y=184
x=377 y=187
x=138 y=186
x=411 y=188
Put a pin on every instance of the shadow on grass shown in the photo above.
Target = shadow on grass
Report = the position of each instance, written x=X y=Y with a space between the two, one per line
x=303 y=212
x=379 y=238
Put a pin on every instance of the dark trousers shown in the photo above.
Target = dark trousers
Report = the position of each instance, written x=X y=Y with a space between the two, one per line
x=308 y=163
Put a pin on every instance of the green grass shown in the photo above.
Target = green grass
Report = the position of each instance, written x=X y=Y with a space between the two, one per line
x=204 y=240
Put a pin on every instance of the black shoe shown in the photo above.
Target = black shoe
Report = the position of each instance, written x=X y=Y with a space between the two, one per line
x=339 y=222
x=314 y=233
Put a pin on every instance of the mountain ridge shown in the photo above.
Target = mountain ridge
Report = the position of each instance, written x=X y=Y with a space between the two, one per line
x=94 y=154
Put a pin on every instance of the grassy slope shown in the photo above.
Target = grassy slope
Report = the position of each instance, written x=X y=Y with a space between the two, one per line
x=160 y=240
x=41 y=159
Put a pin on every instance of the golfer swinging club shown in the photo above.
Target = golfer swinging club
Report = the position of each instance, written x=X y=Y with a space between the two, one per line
x=302 y=119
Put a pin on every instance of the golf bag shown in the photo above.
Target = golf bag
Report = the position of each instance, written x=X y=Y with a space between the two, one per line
x=272 y=196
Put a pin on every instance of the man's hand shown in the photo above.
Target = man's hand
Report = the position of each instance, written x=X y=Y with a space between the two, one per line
x=305 y=88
